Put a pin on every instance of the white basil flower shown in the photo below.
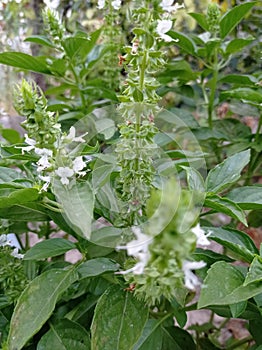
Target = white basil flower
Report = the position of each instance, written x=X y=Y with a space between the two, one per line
x=78 y=165
x=167 y=5
x=4 y=241
x=64 y=173
x=101 y=4
x=116 y=4
x=164 y=26
x=138 y=248
x=72 y=136
x=47 y=180
x=200 y=234
x=191 y=280
x=29 y=142
x=43 y=163
x=16 y=254
x=52 y=4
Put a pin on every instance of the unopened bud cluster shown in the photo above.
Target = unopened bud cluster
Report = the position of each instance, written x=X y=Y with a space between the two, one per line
x=45 y=138
x=213 y=16
x=40 y=124
x=53 y=26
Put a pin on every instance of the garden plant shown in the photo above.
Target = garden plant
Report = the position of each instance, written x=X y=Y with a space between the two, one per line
x=137 y=155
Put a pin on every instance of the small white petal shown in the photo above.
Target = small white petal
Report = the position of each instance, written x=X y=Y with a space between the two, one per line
x=116 y=4
x=78 y=164
x=52 y=4
x=64 y=173
x=138 y=269
x=44 y=152
x=47 y=180
x=16 y=254
x=138 y=248
x=167 y=5
x=4 y=240
x=101 y=4
x=43 y=163
x=88 y=158
x=191 y=280
x=72 y=136
x=164 y=26
x=200 y=234
x=29 y=141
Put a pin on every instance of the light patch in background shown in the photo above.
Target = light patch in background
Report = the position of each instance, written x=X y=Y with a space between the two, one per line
x=52 y=4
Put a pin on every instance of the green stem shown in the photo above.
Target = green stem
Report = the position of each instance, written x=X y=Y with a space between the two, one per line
x=27 y=241
x=142 y=71
x=237 y=344
x=258 y=129
x=213 y=90
x=78 y=85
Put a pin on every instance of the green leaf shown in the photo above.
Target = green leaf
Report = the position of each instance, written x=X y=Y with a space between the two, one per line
x=247 y=197
x=237 y=241
x=205 y=133
x=178 y=117
x=58 y=67
x=255 y=271
x=101 y=174
x=12 y=152
x=194 y=179
x=246 y=95
x=80 y=46
x=231 y=18
x=179 y=313
x=225 y=206
x=227 y=172
x=73 y=45
x=66 y=335
x=201 y=20
x=11 y=135
x=108 y=236
x=209 y=257
x=8 y=175
x=25 y=212
x=77 y=202
x=151 y=337
x=36 y=305
x=239 y=79
x=96 y=267
x=233 y=129
x=118 y=321
x=10 y=197
x=236 y=45
x=238 y=308
x=40 y=40
x=176 y=338
x=254 y=328
x=183 y=72
x=24 y=61
x=49 y=248
x=92 y=43
x=214 y=291
x=251 y=312
x=184 y=42
x=106 y=127
x=82 y=309
x=242 y=293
